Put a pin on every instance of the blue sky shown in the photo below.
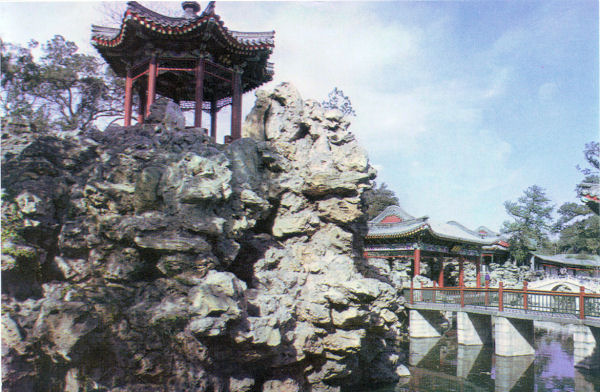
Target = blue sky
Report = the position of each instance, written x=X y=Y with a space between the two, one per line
x=460 y=105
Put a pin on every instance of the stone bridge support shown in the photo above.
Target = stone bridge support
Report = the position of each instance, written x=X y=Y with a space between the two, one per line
x=419 y=348
x=425 y=323
x=510 y=370
x=586 y=347
x=513 y=337
x=473 y=329
x=466 y=358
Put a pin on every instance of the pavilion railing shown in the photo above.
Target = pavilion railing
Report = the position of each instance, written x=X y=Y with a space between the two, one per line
x=578 y=305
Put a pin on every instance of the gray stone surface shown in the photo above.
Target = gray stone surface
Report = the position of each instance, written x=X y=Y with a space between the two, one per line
x=148 y=257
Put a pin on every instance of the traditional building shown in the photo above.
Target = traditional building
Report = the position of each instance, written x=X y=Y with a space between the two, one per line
x=396 y=234
x=567 y=265
x=194 y=60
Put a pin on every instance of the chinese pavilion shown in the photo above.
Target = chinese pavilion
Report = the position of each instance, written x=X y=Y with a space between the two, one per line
x=194 y=60
x=396 y=234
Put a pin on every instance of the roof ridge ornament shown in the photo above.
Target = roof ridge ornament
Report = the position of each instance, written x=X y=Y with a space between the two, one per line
x=190 y=9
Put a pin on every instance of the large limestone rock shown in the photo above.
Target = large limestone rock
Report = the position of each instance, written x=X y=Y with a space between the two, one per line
x=149 y=258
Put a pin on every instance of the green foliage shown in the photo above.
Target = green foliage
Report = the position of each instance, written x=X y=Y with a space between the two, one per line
x=377 y=199
x=531 y=223
x=63 y=89
x=578 y=226
x=337 y=100
x=582 y=236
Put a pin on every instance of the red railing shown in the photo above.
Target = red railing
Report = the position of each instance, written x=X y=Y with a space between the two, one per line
x=579 y=304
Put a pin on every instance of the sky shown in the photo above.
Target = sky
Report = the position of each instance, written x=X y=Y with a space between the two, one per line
x=460 y=105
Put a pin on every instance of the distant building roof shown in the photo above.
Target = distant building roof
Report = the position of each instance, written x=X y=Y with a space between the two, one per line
x=575 y=260
x=394 y=222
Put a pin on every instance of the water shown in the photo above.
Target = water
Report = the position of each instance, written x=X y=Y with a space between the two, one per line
x=440 y=364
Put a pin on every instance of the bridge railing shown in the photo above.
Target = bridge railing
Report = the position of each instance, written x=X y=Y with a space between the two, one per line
x=580 y=304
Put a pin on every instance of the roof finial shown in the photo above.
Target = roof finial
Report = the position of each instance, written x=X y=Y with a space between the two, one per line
x=190 y=8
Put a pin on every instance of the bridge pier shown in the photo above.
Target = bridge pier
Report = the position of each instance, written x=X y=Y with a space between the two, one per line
x=425 y=324
x=586 y=347
x=466 y=358
x=473 y=329
x=513 y=337
x=509 y=370
x=419 y=348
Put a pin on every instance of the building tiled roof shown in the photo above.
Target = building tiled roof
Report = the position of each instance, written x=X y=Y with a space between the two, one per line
x=452 y=231
x=589 y=261
x=138 y=15
x=392 y=211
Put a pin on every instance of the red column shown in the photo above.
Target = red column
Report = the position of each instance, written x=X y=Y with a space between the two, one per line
x=461 y=274
x=501 y=296
x=142 y=107
x=525 y=295
x=199 y=96
x=417 y=264
x=441 y=276
x=236 y=106
x=128 y=98
x=151 y=84
x=581 y=302
x=213 y=119
x=478 y=269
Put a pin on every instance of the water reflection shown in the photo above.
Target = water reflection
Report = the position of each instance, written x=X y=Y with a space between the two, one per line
x=440 y=364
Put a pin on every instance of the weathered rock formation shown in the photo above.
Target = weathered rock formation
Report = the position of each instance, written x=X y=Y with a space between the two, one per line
x=149 y=258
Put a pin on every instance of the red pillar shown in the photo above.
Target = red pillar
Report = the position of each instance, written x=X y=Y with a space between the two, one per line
x=142 y=107
x=236 y=106
x=478 y=269
x=441 y=276
x=525 y=295
x=199 y=96
x=128 y=98
x=213 y=119
x=461 y=272
x=417 y=265
x=151 y=84
x=501 y=296
x=581 y=302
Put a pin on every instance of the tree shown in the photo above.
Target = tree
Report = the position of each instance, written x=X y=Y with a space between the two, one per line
x=64 y=90
x=592 y=156
x=19 y=74
x=581 y=235
x=531 y=223
x=337 y=100
x=377 y=199
x=577 y=225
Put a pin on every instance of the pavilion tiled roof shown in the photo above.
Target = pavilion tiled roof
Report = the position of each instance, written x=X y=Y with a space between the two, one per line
x=393 y=211
x=452 y=231
x=137 y=14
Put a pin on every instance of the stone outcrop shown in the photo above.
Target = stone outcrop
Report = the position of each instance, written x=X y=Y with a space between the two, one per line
x=149 y=258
